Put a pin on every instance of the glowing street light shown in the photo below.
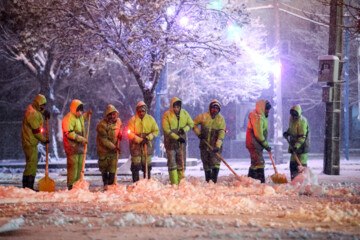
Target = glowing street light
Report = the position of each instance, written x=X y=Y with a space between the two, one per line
x=234 y=32
x=184 y=21
x=216 y=4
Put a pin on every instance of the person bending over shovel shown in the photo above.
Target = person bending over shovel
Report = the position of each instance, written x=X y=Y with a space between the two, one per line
x=142 y=129
x=109 y=133
x=74 y=140
x=299 y=139
x=175 y=123
x=256 y=139
x=32 y=133
x=213 y=132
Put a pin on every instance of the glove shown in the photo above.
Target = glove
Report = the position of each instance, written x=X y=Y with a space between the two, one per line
x=201 y=136
x=46 y=142
x=286 y=134
x=145 y=141
x=116 y=150
x=181 y=131
x=215 y=150
x=181 y=140
x=294 y=149
x=47 y=114
x=268 y=148
x=89 y=112
x=120 y=136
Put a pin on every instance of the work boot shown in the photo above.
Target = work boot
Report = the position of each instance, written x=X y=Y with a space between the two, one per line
x=111 y=178
x=31 y=180
x=149 y=173
x=70 y=187
x=294 y=171
x=173 y=175
x=252 y=173
x=180 y=175
x=208 y=175
x=105 y=178
x=261 y=174
x=135 y=176
x=214 y=174
x=25 y=181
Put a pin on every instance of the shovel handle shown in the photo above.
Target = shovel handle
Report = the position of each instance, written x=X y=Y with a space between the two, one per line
x=272 y=161
x=146 y=165
x=218 y=155
x=117 y=159
x=294 y=154
x=85 y=150
x=182 y=159
x=47 y=148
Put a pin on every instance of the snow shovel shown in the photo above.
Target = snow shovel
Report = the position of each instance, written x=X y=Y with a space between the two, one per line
x=146 y=164
x=218 y=155
x=300 y=167
x=85 y=151
x=117 y=159
x=277 y=178
x=182 y=161
x=46 y=184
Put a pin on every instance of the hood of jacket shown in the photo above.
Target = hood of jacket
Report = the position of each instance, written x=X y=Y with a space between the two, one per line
x=174 y=100
x=110 y=108
x=140 y=104
x=39 y=100
x=297 y=108
x=260 y=107
x=216 y=102
x=74 y=105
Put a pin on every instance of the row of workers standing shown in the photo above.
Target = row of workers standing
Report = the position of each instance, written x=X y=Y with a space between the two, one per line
x=142 y=129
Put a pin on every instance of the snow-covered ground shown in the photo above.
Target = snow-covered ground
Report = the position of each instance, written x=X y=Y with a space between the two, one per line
x=313 y=206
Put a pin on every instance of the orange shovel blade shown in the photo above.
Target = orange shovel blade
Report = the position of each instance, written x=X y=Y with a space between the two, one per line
x=46 y=184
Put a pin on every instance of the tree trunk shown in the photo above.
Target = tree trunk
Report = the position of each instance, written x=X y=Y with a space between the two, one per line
x=148 y=97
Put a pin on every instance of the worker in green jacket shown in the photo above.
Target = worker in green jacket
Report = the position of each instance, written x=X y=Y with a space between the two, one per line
x=109 y=135
x=142 y=129
x=74 y=138
x=176 y=123
x=32 y=132
x=212 y=131
x=298 y=132
x=256 y=139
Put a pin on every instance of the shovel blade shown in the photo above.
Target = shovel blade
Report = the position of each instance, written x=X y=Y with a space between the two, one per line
x=46 y=184
x=279 y=178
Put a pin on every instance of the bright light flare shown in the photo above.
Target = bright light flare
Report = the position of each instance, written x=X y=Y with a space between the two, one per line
x=184 y=21
x=216 y=4
x=170 y=11
x=234 y=32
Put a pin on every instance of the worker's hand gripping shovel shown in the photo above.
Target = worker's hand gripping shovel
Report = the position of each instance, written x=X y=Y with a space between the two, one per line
x=218 y=155
x=46 y=184
x=277 y=178
x=300 y=167
x=81 y=183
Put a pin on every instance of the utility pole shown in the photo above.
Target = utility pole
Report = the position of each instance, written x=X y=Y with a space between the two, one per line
x=333 y=107
x=278 y=126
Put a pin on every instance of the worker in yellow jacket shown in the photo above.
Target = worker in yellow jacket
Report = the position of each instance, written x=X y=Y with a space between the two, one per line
x=176 y=123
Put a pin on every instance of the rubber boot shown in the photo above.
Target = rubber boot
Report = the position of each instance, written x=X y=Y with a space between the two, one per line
x=261 y=174
x=135 y=176
x=173 y=175
x=111 y=178
x=105 y=178
x=214 y=174
x=69 y=187
x=252 y=173
x=180 y=175
x=31 y=180
x=208 y=175
x=25 y=181
x=149 y=173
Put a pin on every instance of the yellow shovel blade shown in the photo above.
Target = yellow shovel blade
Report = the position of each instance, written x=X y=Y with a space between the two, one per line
x=279 y=178
x=46 y=184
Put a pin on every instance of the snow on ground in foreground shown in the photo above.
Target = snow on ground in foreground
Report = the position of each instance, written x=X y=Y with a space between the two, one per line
x=196 y=197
